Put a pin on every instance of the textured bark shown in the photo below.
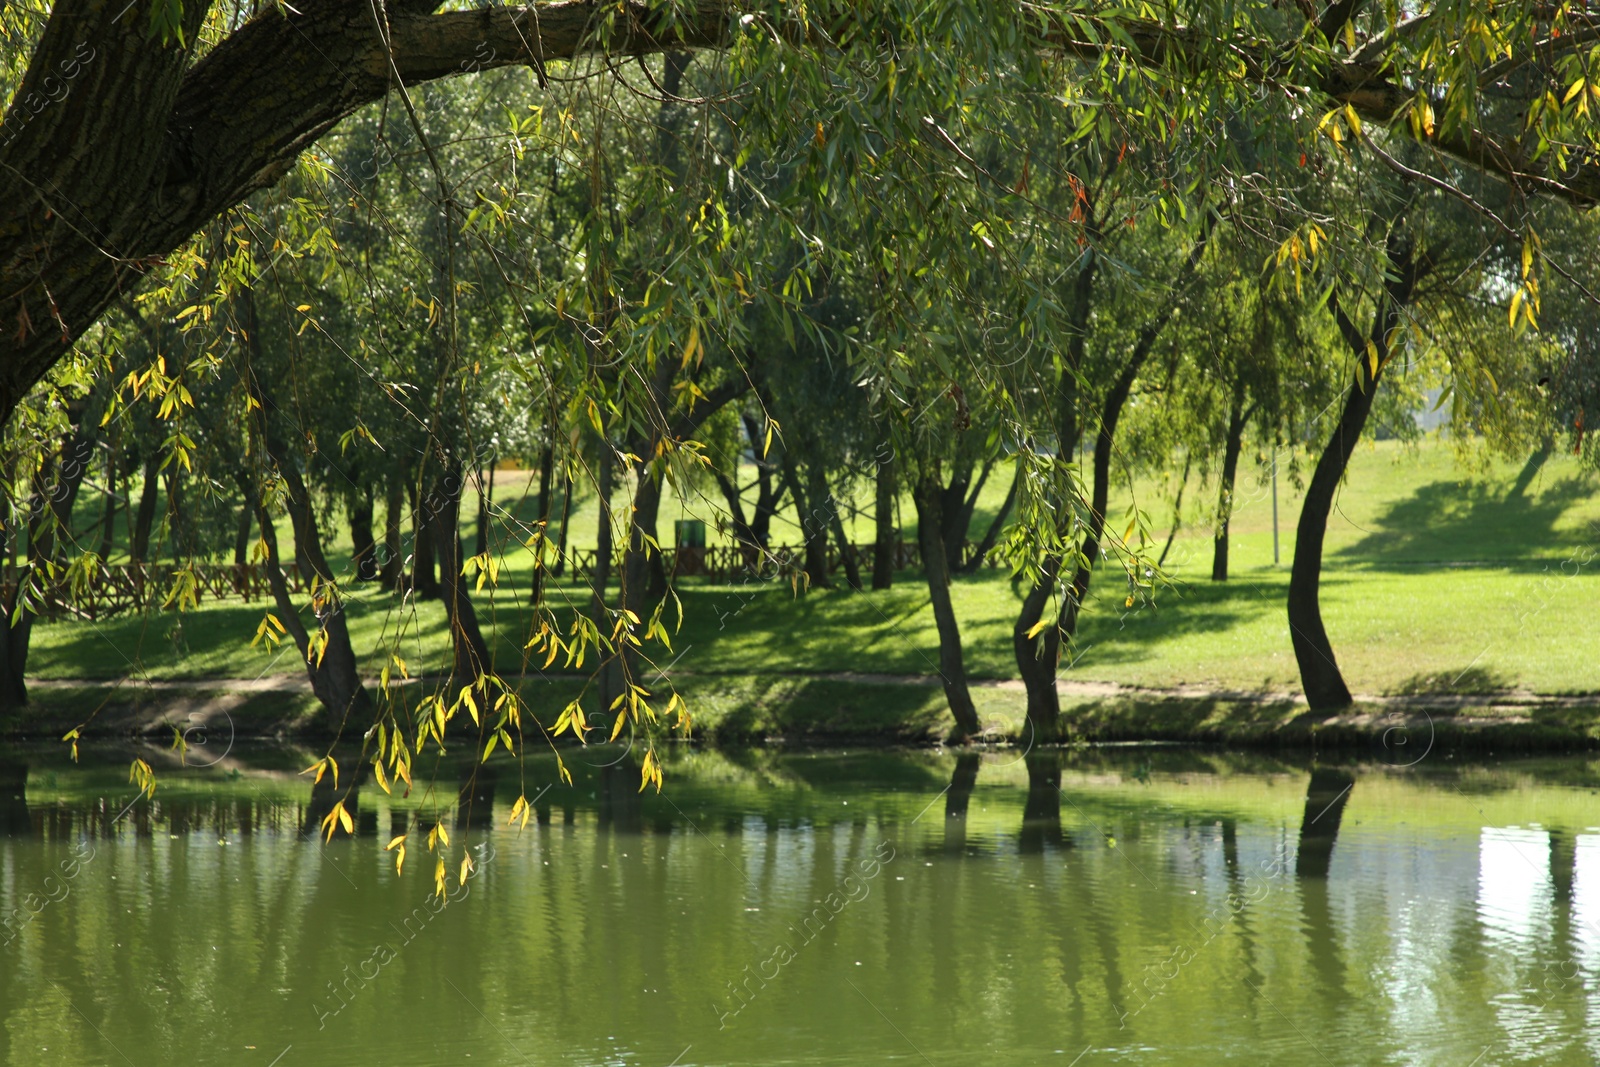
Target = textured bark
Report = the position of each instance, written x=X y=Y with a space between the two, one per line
x=142 y=145
x=1320 y=676
x=936 y=569
x=117 y=148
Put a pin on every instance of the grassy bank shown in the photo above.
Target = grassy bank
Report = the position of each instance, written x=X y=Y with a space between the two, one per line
x=1438 y=581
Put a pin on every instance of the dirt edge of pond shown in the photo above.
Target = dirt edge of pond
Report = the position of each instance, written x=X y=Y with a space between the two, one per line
x=880 y=709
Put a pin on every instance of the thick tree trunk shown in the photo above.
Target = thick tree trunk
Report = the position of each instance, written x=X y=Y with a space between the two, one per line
x=1320 y=676
x=936 y=569
x=886 y=539
x=1230 y=471
x=117 y=148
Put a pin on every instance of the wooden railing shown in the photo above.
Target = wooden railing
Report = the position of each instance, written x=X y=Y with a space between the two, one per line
x=132 y=587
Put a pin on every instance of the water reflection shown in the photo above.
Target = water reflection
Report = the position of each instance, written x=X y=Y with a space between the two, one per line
x=1170 y=907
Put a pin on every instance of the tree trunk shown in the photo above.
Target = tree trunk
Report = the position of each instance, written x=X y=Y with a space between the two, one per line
x=992 y=534
x=743 y=535
x=961 y=499
x=424 y=580
x=144 y=520
x=470 y=662
x=547 y=463
x=566 y=513
x=769 y=496
x=813 y=523
x=393 y=572
x=886 y=539
x=241 y=536
x=610 y=673
x=1320 y=676
x=1230 y=470
x=1177 y=509
x=936 y=569
x=1105 y=440
x=1038 y=648
x=50 y=516
x=364 y=554
x=108 y=516
x=485 y=499
x=847 y=552
x=331 y=664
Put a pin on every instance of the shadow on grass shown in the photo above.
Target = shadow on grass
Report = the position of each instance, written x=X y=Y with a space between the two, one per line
x=1448 y=521
x=1469 y=681
x=1129 y=635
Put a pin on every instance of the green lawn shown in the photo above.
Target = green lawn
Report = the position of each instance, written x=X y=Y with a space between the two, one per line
x=1436 y=578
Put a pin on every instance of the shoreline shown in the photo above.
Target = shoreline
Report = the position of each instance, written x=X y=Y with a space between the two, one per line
x=782 y=709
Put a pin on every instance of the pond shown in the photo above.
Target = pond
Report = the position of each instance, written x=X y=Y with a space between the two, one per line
x=1122 y=905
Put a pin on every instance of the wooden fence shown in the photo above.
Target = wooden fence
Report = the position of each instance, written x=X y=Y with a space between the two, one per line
x=132 y=587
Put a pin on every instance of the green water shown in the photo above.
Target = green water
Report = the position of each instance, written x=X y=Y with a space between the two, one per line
x=1160 y=907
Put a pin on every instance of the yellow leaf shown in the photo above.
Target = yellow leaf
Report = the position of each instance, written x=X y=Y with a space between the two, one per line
x=466 y=868
x=1037 y=628
x=377 y=772
x=692 y=345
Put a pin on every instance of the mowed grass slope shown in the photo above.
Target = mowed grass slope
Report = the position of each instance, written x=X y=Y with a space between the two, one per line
x=1437 y=578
